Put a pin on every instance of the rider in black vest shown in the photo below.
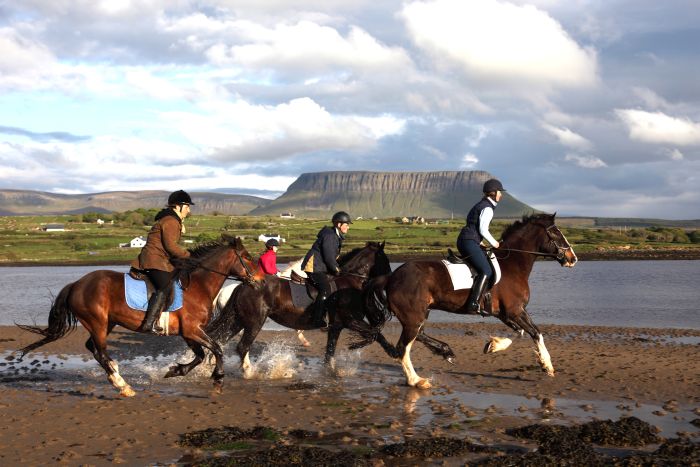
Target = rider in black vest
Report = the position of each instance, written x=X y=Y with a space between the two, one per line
x=471 y=235
x=322 y=259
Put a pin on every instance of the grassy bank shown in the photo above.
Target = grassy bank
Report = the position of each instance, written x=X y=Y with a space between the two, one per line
x=23 y=240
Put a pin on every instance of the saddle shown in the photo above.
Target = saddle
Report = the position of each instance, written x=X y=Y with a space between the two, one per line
x=140 y=275
x=303 y=291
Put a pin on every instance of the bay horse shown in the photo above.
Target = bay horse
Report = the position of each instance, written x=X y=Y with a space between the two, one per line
x=97 y=301
x=420 y=285
x=250 y=306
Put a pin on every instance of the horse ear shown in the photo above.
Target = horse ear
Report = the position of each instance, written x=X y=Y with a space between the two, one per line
x=381 y=245
x=238 y=243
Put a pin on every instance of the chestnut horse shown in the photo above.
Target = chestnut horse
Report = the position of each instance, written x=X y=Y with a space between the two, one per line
x=420 y=285
x=97 y=301
x=250 y=306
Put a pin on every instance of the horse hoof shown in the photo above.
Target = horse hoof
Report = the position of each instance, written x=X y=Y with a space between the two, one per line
x=173 y=371
x=126 y=391
x=218 y=388
x=487 y=347
x=450 y=360
x=424 y=384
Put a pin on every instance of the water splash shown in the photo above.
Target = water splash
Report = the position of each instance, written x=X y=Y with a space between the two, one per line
x=347 y=363
x=277 y=361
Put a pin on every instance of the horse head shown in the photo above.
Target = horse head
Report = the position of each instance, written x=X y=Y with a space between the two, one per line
x=555 y=243
x=539 y=233
x=369 y=261
x=242 y=265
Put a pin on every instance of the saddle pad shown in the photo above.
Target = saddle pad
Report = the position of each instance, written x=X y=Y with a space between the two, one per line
x=300 y=298
x=461 y=274
x=137 y=298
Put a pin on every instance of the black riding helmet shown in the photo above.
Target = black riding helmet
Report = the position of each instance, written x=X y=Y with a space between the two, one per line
x=493 y=185
x=179 y=197
x=342 y=217
x=272 y=242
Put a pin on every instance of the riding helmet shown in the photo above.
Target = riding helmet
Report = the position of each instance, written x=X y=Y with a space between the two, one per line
x=342 y=217
x=493 y=185
x=272 y=242
x=179 y=197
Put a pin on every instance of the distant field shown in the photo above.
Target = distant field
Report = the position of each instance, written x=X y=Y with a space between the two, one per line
x=23 y=241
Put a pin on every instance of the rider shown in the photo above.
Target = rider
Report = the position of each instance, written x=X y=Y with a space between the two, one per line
x=322 y=259
x=471 y=235
x=161 y=247
x=268 y=260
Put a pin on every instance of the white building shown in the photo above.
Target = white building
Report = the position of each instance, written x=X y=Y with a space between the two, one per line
x=265 y=237
x=136 y=242
x=54 y=228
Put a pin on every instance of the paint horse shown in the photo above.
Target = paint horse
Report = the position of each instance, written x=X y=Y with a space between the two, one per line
x=420 y=285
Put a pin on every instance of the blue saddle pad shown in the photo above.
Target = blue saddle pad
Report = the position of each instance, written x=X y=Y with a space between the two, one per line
x=136 y=294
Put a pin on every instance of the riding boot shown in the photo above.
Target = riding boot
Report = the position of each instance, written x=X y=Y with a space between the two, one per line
x=319 y=311
x=155 y=307
x=475 y=294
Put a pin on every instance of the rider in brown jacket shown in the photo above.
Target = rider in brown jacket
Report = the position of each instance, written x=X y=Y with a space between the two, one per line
x=161 y=246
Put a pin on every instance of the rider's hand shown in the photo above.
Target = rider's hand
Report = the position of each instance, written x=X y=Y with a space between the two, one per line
x=498 y=244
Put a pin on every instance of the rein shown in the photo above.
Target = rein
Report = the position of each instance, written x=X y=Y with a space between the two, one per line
x=249 y=274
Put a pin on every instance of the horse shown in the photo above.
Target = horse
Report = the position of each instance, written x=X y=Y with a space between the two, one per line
x=420 y=285
x=225 y=294
x=250 y=306
x=97 y=301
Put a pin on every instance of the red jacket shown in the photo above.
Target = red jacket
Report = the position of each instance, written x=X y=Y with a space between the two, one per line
x=268 y=262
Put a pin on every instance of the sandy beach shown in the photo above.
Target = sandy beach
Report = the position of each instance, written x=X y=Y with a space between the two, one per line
x=58 y=407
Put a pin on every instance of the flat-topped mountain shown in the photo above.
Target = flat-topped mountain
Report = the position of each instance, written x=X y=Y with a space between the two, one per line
x=26 y=202
x=388 y=194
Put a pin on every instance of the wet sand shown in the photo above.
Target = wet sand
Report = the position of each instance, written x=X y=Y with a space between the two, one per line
x=58 y=407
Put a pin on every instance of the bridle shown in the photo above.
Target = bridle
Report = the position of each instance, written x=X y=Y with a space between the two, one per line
x=249 y=273
x=559 y=255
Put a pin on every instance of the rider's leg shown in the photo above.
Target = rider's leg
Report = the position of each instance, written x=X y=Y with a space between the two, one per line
x=161 y=281
x=320 y=281
x=478 y=259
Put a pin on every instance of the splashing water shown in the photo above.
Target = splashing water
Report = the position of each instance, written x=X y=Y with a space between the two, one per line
x=277 y=361
x=347 y=363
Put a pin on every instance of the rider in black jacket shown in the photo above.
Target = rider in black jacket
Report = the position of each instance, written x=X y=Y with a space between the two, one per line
x=322 y=259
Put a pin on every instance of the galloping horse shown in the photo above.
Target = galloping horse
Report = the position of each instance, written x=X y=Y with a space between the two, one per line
x=97 y=301
x=250 y=306
x=419 y=285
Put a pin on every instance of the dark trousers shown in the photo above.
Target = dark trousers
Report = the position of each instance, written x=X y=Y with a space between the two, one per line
x=473 y=253
x=320 y=281
x=160 y=279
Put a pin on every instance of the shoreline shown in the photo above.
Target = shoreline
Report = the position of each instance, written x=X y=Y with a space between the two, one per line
x=683 y=254
x=63 y=409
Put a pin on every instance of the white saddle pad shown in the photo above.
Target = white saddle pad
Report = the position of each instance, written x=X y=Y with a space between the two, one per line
x=461 y=275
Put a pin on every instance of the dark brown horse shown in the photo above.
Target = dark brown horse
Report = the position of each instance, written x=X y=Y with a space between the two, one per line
x=420 y=285
x=97 y=301
x=250 y=306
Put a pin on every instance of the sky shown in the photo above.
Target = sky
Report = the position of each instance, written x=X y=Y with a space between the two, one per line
x=581 y=107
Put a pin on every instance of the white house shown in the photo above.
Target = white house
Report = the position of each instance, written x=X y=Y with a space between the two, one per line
x=136 y=242
x=268 y=236
x=100 y=222
x=287 y=215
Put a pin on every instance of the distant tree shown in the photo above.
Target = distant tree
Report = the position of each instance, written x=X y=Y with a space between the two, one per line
x=694 y=236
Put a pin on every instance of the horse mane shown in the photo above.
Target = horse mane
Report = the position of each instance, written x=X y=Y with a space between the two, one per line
x=527 y=219
x=347 y=257
x=202 y=252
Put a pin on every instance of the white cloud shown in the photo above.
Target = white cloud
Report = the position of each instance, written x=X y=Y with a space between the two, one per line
x=308 y=47
x=495 y=40
x=587 y=162
x=674 y=154
x=243 y=131
x=657 y=127
x=567 y=137
x=21 y=55
x=469 y=160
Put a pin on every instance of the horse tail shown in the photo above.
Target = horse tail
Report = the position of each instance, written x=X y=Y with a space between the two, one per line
x=219 y=328
x=375 y=301
x=61 y=322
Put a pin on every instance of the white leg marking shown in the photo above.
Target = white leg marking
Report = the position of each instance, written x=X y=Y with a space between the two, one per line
x=246 y=367
x=496 y=344
x=412 y=378
x=118 y=382
x=543 y=356
x=302 y=338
